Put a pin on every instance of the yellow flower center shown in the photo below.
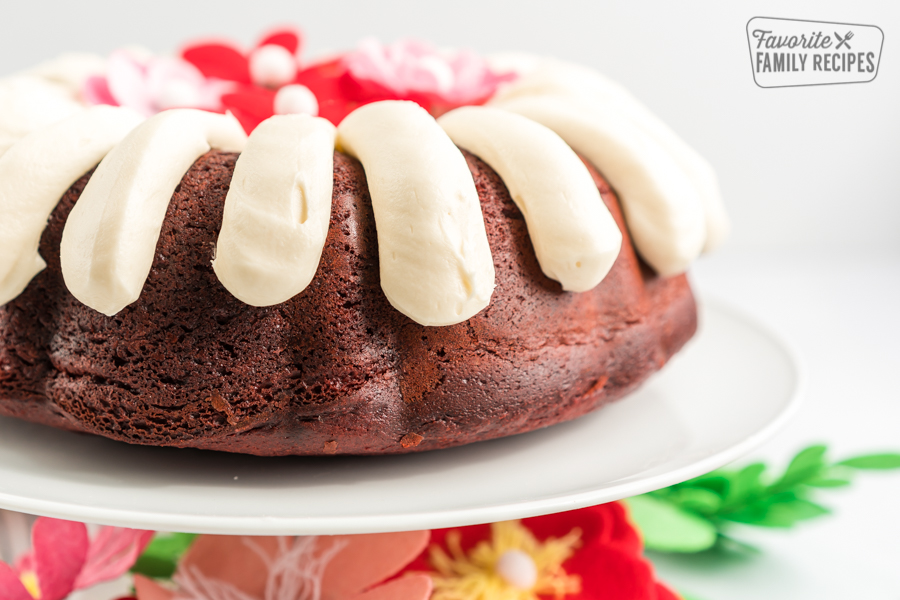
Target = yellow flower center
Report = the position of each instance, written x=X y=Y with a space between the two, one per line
x=30 y=581
x=476 y=576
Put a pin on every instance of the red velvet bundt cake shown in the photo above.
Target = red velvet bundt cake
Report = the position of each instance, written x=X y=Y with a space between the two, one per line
x=394 y=284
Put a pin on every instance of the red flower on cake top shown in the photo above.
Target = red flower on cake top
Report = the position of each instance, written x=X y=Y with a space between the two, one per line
x=272 y=63
x=270 y=79
x=64 y=559
x=262 y=79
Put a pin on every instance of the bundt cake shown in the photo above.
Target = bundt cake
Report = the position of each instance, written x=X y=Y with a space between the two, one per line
x=395 y=283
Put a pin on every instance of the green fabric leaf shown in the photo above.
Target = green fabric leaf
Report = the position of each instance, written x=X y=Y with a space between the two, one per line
x=667 y=528
x=745 y=485
x=782 y=511
x=827 y=482
x=715 y=481
x=698 y=500
x=807 y=464
x=888 y=460
x=161 y=556
x=693 y=515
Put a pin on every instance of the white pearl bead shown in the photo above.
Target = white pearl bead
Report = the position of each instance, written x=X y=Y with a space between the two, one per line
x=296 y=100
x=272 y=66
x=517 y=569
x=177 y=93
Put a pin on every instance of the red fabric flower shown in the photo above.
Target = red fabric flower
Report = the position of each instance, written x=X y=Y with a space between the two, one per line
x=224 y=60
x=328 y=81
x=607 y=560
x=257 y=74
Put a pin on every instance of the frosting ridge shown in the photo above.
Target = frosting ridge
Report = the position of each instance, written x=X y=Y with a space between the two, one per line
x=277 y=210
x=435 y=262
x=110 y=236
x=662 y=207
x=574 y=235
x=549 y=77
x=36 y=172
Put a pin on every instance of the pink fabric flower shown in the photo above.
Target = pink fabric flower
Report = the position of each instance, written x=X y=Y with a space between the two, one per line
x=343 y=567
x=63 y=559
x=156 y=84
x=412 y=69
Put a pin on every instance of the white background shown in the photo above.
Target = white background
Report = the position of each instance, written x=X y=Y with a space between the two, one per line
x=809 y=177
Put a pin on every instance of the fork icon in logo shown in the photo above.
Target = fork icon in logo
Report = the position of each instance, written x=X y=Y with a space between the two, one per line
x=843 y=41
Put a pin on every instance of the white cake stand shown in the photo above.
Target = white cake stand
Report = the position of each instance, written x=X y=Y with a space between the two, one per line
x=732 y=387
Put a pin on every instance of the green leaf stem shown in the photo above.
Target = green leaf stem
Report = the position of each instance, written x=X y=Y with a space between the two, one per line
x=695 y=515
x=161 y=556
x=873 y=461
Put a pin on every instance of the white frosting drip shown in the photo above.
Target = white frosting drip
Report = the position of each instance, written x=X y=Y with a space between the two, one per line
x=71 y=70
x=575 y=237
x=662 y=207
x=277 y=210
x=548 y=77
x=36 y=172
x=29 y=103
x=436 y=265
x=110 y=236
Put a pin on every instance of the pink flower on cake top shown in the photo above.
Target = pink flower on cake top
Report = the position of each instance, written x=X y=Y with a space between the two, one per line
x=271 y=79
x=414 y=70
x=153 y=84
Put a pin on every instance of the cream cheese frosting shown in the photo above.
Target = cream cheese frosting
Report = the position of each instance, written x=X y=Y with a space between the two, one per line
x=29 y=103
x=575 y=237
x=110 y=236
x=435 y=262
x=36 y=172
x=662 y=207
x=70 y=70
x=549 y=77
x=277 y=210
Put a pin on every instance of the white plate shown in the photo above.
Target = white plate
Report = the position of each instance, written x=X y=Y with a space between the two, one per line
x=727 y=391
